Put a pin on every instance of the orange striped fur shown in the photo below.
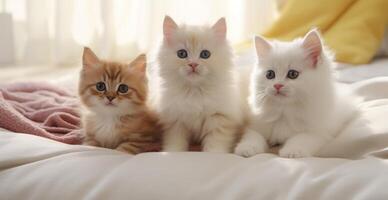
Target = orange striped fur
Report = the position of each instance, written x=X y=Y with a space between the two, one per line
x=112 y=118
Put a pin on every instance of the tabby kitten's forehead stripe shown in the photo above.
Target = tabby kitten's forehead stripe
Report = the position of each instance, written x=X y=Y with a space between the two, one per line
x=113 y=73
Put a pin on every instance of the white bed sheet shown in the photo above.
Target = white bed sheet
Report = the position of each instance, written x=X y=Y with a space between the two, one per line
x=352 y=73
x=46 y=169
x=38 y=168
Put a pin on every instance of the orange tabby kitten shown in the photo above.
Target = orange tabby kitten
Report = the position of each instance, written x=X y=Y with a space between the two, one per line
x=114 y=96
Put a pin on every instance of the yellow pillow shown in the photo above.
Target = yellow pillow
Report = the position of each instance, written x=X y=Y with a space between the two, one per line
x=353 y=29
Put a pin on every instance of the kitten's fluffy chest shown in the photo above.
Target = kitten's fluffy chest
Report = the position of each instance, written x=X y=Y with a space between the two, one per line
x=194 y=107
x=188 y=107
x=282 y=121
x=195 y=104
x=105 y=130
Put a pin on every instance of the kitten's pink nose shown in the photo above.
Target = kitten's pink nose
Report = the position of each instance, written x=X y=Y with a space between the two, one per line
x=193 y=65
x=278 y=86
x=110 y=98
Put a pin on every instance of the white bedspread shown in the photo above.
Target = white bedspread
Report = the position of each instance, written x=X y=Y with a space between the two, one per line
x=38 y=168
x=45 y=169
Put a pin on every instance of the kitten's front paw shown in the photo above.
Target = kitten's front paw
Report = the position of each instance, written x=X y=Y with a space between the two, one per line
x=248 y=149
x=289 y=151
x=123 y=150
x=91 y=142
x=216 y=149
x=175 y=148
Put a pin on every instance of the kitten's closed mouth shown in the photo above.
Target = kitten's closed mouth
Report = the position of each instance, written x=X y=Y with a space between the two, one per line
x=110 y=104
x=192 y=73
x=280 y=94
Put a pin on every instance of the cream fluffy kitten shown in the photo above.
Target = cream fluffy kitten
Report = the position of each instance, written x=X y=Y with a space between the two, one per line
x=293 y=98
x=198 y=97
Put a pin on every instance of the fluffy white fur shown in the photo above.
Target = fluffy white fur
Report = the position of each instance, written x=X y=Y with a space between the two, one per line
x=104 y=124
x=203 y=106
x=306 y=112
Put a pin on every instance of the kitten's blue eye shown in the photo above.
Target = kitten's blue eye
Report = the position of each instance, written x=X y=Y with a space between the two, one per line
x=100 y=86
x=205 y=54
x=270 y=74
x=122 y=88
x=292 y=74
x=181 y=53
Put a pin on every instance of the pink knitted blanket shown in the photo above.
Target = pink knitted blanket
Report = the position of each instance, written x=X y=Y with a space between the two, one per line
x=40 y=109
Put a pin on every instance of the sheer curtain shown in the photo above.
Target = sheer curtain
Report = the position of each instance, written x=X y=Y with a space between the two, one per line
x=54 y=31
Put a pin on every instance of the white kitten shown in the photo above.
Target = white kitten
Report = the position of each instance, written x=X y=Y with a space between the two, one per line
x=293 y=98
x=198 y=97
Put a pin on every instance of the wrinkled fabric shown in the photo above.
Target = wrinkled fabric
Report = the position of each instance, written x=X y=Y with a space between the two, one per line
x=40 y=109
x=37 y=168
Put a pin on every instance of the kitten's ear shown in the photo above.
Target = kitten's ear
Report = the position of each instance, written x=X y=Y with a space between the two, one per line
x=139 y=64
x=89 y=59
x=219 y=28
x=313 y=45
x=262 y=46
x=169 y=28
